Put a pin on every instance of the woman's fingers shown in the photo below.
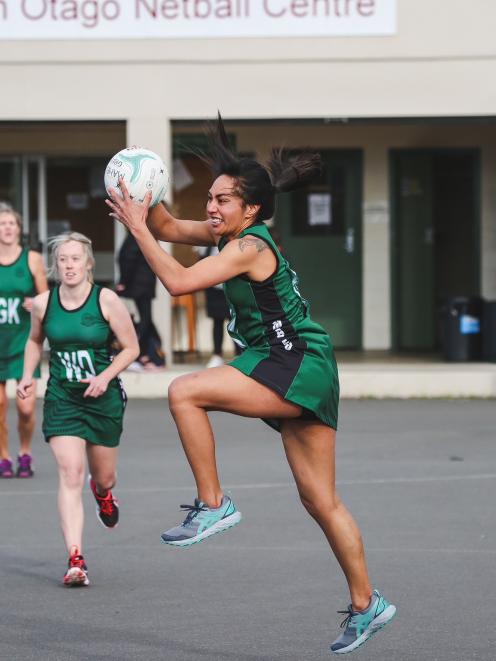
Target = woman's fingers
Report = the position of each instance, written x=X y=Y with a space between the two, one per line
x=124 y=190
x=124 y=208
x=22 y=390
x=147 y=200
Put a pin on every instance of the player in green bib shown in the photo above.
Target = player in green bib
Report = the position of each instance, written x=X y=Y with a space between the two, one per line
x=22 y=276
x=84 y=400
x=286 y=373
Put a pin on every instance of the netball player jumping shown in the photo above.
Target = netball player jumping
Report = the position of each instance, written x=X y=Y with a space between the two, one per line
x=286 y=373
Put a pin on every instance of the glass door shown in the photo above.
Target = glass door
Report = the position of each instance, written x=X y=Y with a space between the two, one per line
x=10 y=181
x=59 y=194
x=22 y=186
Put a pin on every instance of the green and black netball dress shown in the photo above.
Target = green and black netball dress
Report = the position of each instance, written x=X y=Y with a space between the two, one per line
x=80 y=348
x=283 y=348
x=16 y=283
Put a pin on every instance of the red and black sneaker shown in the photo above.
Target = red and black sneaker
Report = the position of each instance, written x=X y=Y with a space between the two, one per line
x=107 y=509
x=77 y=571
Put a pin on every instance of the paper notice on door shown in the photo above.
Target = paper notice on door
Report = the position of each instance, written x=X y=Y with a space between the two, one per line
x=319 y=209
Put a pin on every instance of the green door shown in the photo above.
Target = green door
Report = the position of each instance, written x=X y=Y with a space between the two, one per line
x=414 y=251
x=435 y=239
x=320 y=233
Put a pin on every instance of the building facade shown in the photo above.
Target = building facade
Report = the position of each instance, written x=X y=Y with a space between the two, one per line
x=402 y=111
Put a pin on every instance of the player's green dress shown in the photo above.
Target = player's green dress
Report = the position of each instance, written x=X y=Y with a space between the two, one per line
x=80 y=348
x=16 y=283
x=282 y=347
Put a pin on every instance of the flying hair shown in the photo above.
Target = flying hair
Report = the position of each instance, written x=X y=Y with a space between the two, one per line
x=259 y=184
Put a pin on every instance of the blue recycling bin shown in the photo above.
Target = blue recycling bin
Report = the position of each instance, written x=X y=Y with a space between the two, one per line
x=462 y=329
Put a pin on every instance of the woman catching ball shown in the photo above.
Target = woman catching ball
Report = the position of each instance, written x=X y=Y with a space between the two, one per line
x=286 y=373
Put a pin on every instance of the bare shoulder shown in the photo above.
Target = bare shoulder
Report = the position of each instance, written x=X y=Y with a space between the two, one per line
x=111 y=304
x=108 y=296
x=260 y=259
x=109 y=300
x=35 y=259
x=251 y=242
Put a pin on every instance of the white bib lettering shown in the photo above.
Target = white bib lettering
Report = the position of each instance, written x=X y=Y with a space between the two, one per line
x=78 y=364
x=9 y=311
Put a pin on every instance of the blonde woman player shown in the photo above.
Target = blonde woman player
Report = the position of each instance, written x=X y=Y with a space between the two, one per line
x=84 y=402
x=22 y=276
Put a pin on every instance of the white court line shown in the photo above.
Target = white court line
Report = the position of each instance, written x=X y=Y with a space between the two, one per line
x=278 y=485
x=321 y=547
x=215 y=547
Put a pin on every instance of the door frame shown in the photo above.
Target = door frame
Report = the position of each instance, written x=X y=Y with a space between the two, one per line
x=394 y=154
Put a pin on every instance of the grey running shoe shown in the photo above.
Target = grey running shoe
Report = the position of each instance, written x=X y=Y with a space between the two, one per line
x=360 y=626
x=202 y=522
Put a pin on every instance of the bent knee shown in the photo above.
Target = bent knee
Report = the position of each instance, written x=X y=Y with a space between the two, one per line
x=26 y=406
x=105 y=481
x=181 y=391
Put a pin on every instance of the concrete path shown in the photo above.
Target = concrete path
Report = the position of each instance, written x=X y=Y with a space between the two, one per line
x=419 y=476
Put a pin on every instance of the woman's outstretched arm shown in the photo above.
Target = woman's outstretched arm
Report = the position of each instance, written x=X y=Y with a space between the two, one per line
x=161 y=223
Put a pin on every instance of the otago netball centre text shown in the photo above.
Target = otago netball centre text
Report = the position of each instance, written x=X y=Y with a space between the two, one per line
x=95 y=13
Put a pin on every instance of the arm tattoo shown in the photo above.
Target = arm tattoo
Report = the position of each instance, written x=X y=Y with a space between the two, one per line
x=259 y=244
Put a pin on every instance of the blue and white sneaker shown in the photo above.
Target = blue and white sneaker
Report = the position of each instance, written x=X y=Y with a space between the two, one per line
x=202 y=522
x=360 y=626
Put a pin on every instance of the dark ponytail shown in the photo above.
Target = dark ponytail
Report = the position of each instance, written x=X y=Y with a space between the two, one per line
x=256 y=184
x=290 y=173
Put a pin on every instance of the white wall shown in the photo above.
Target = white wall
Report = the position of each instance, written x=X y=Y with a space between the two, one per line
x=441 y=62
x=435 y=65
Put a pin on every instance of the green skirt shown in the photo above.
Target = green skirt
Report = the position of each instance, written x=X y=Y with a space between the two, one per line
x=12 y=367
x=307 y=377
x=96 y=420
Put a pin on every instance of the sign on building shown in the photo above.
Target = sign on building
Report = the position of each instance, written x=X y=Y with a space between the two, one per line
x=171 y=19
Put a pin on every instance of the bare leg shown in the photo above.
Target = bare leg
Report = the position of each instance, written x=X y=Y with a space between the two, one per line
x=26 y=409
x=4 y=432
x=102 y=464
x=310 y=449
x=70 y=456
x=220 y=389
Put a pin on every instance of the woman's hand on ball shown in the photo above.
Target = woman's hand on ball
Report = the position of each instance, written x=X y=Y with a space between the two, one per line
x=127 y=211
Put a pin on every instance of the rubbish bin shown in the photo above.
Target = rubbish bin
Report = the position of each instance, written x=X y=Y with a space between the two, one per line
x=461 y=329
x=489 y=332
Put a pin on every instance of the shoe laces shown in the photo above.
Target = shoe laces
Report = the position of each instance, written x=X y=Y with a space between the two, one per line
x=349 y=615
x=25 y=461
x=77 y=561
x=193 y=511
x=106 y=504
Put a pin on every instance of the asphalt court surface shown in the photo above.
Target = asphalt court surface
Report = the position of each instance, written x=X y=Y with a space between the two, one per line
x=419 y=476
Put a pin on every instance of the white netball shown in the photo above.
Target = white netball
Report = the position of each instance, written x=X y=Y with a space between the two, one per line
x=142 y=170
